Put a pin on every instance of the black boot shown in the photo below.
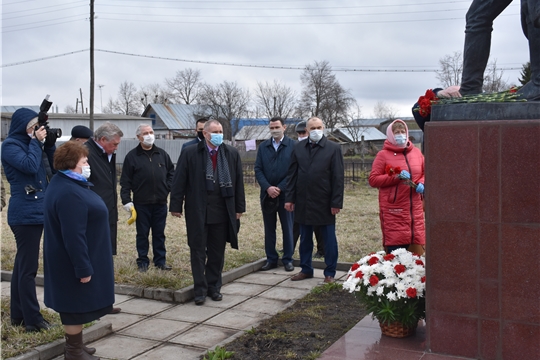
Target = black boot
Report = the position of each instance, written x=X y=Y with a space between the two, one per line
x=75 y=349
x=531 y=90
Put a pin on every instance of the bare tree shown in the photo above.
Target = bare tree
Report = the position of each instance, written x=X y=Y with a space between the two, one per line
x=69 y=109
x=185 y=86
x=451 y=69
x=493 y=79
x=275 y=99
x=128 y=101
x=322 y=95
x=382 y=110
x=153 y=94
x=228 y=102
x=110 y=106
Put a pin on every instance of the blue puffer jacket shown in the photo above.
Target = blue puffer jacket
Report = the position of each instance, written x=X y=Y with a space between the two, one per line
x=23 y=166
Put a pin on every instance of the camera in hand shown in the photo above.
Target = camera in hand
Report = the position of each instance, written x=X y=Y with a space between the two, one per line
x=52 y=133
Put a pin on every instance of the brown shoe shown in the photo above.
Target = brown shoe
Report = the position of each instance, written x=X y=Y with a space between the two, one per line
x=329 y=279
x=115 y=310
x=301 y=276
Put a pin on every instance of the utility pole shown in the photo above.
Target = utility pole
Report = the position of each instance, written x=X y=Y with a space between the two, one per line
x=82 y=106
x=91 y=65
x=101 y=96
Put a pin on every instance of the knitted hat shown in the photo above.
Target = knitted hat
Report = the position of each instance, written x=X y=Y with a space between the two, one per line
x=81 y=131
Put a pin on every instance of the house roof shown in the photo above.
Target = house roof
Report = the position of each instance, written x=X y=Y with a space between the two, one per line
x=355 y=133
x=250 y=132
x=177 y=116
x=367 y=122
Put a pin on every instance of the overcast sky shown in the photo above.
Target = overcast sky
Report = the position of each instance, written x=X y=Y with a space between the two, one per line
x=375 y=38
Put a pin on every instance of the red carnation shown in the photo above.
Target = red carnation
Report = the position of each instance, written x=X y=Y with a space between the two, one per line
x=359 y=275
x=399 y=269
x=411 y=292
x=355 y=266
x=419 y=262
x=424 y=103
x=423 y=279
x=374 y=280
x=388 y=257
x=373 y=260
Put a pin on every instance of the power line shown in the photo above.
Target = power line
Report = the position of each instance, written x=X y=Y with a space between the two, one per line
x=40 y=8
x=275 y=67
x=40 y=13
x=38 y=22
x=40 y=26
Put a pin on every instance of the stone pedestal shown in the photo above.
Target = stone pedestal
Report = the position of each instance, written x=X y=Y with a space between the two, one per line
x=483 y=233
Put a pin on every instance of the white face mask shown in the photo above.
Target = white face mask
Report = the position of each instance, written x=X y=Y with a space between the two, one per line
x=401 y=139
x=148 y=140
x=276 y=134
x=300 y=138
x=86 y=171
x=315 y=135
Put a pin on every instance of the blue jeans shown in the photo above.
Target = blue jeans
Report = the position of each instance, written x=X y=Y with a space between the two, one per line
x=328 y=233
x=270 y=222
x=151 y=216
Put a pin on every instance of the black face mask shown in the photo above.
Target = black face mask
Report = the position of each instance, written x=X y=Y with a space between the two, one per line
x=200 y=135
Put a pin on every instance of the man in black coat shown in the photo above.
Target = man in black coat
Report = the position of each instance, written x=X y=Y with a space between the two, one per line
x=315 y=193
x=209 y=179
x=147 y=173
x=199 y=126
x=102 y=161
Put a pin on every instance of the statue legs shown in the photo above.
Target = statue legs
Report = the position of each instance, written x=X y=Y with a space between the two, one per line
x=529 y=18
x=478 y=42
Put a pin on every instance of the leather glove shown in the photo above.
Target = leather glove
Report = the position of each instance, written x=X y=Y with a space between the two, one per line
x=404 y=174
x=128 y=206
x=420 y=188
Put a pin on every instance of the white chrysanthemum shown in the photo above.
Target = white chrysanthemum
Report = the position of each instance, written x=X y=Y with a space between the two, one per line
x=380 y=290
x=391 y=296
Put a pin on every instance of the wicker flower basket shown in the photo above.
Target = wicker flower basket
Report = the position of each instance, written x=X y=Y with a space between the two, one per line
x=397 y=330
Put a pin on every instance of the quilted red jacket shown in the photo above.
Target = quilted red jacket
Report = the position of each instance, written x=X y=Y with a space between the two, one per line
x=400 y=206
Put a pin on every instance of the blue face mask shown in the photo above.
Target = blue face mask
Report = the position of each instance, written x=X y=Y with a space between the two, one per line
x=401 y=139
x=216 y=139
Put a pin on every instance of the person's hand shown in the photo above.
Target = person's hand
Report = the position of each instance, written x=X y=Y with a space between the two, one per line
x=273 y=191
x=404 y=174
x=289 y=206
x=128 y=206
x=86 y=279
x=176 y=214
x=334 y=211
x=449 y=92
x=40 y=134
x=420 y=188
x=238 y=216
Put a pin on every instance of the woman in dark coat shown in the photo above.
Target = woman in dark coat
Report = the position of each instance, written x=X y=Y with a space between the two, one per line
x=78 y=266
x=26 y=167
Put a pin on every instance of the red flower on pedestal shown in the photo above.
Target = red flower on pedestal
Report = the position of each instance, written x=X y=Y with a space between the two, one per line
x=425 y=102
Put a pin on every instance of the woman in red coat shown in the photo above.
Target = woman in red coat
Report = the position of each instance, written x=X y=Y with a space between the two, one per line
x=400 y=199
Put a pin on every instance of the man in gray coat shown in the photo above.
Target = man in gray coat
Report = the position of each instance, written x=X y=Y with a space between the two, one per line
x=315 y=192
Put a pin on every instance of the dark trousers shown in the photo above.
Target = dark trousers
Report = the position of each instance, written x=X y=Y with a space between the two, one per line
x=151 y=216
x=318 y=237
x=113 y=228
x=207 y=258
x=328 y=233
x=24 y=303
x=270 y=222
x=478 y=30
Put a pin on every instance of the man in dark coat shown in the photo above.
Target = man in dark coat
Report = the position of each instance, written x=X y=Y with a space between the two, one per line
x=102 y=161
x=209 y=179
x=315 y=193
x=147 y=173
x=271 y=167
x=199 y=126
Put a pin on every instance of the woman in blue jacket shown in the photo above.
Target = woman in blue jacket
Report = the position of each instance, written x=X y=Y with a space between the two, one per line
x=77 y=254
x=25 y=160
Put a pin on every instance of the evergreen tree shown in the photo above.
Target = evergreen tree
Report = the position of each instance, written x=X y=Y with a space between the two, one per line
x=525 y=73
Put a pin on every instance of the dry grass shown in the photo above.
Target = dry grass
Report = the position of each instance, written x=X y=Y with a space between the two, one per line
x=357 y=227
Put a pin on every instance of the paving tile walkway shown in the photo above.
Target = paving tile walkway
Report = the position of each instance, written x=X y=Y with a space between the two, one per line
x=152 y=329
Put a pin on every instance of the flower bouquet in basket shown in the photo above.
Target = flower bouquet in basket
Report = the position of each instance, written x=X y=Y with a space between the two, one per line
x=392 y=287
